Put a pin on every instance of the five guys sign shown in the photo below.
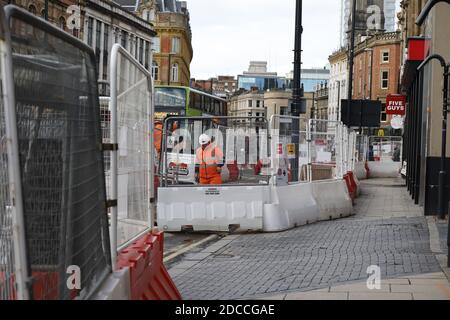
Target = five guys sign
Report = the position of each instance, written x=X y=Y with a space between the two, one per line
x=396 y=104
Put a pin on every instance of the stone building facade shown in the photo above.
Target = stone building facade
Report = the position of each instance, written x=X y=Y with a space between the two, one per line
x=337 y=86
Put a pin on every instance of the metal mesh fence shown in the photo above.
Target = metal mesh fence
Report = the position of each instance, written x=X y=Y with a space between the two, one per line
x=362 y=142
x=323 y=149
x=58 y=124
x=134 y=154
x=7 y=290
x=385 y=149
x=286 y=132
x=239 y=147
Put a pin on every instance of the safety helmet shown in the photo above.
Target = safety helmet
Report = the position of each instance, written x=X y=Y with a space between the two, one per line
x=204 y=139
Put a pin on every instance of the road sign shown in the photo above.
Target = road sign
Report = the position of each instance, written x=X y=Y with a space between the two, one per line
x=381 y=133
x=396 y=104
x=291 y=150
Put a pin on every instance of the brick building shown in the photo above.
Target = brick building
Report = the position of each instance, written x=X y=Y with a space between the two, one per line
x=377 y=69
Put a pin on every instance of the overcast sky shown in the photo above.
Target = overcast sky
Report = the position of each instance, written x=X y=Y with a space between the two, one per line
x=227 y=34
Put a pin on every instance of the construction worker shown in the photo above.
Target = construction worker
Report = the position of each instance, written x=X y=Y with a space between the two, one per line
x=208 y=162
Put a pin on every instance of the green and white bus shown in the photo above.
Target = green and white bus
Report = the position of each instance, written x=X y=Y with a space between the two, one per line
x=185 y=101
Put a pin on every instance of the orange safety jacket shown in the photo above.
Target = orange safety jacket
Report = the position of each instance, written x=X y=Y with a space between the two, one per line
x=208 y=161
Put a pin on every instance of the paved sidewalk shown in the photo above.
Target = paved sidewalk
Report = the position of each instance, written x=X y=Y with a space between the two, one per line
x=431 y=286
x=332 y=257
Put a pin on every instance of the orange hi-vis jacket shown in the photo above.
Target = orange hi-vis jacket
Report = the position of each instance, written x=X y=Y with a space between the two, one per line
x=208 y=161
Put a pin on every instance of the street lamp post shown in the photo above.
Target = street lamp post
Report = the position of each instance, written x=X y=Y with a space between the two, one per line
x=351 y=62
x=46 y=10
x=297 y=92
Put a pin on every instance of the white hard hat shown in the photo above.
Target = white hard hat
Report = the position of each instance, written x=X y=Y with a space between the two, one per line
x=204 y=139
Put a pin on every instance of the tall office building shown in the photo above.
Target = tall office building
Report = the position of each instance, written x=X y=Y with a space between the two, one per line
x=363 y=12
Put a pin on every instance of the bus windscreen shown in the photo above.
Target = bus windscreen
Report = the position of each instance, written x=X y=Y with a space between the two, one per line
x=170 y=98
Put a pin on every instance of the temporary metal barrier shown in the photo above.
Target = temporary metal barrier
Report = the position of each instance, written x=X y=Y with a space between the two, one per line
x=385 y=149
x=241 y=142
x=13 y=260
x=384 y=156
x=284 y=152
x=132 y=158
x=55 y=104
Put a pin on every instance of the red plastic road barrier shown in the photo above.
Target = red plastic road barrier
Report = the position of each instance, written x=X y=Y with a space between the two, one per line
x=366 y=165
x=353 y=182
x=149 y=279
x=351 y=190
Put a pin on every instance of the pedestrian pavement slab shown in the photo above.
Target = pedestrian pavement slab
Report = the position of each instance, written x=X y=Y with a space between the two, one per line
x=379 y=296
x=321 y=255
x=317 y=296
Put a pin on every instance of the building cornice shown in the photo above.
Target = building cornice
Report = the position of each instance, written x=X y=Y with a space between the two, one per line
x=115 y=10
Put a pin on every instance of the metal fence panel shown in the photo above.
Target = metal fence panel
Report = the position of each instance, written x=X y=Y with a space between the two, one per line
x=58 y=124
x=324 y=149
x=242 y=141
x=132 y=166
x=7 y=265
x=385 y=149
x=283 y=131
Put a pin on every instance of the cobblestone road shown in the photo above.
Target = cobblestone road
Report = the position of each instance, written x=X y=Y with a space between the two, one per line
x=386 y=231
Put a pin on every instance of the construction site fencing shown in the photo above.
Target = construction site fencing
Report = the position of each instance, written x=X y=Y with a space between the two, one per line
x=12 y=240
x=385 y=149
x=325 y=149
x=132 y=158
x=362 y=144
x=289 y=149
x=55 y=113
x=239 y=145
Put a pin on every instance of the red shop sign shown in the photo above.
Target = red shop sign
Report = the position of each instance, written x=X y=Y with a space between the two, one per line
x=396 y=104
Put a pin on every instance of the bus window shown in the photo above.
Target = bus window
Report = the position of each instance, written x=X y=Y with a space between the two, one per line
x=170 y=97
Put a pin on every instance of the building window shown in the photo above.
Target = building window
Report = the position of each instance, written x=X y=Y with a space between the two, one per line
x=43 y=13
x=384 y=79
x=250 y=103
x=258 y=103
x=98 y=29
x=124 y=39
x=90 y=31
x=156 y=45
x=141 y=51
x=175 y=45
x=155 y=71
x=32 y=9
x=383 y=113
x=105 y=51
x=385 y=56
x=62 y=23
x=175 y=72
x=147 y=54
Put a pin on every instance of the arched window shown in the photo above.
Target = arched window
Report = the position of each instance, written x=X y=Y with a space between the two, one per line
x=155 y=71
x=43 y=13
x=62 y=23
x=175 y=72
x=32 y=9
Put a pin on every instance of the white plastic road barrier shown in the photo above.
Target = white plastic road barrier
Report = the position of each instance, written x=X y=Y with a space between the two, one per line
x=384 y=169
x=289 y=207
x=333 y=199
x=211 y=209
x=257 y=208
x=360 y=171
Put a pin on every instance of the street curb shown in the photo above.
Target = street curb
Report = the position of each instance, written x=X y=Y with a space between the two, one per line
x=189 y=248
x=435 y=246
